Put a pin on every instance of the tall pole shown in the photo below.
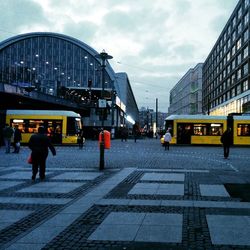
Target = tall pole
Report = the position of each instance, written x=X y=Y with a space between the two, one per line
x=103 y=56
x=156 y=114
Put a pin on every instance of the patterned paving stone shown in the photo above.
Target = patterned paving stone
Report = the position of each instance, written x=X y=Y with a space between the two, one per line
x=77 y=176
x=8 y=217
x=229 y=229
x=51 y=187
x=213 y=190
x=8 y=184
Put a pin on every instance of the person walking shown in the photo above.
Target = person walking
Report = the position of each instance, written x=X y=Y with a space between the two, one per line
x=39 y=144
x=7 y=135
x=17 y=139
x=226 y=140
x=167 y=139
x=80 y=139
x=136 y=130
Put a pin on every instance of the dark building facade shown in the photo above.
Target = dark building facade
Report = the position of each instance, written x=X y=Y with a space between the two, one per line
x=60 y=66
x=226 y=86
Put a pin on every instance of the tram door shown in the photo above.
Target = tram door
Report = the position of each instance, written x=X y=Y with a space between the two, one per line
x=184 y=132
x=54 y=128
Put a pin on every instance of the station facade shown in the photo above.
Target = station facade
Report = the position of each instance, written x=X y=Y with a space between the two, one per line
x=63 y=67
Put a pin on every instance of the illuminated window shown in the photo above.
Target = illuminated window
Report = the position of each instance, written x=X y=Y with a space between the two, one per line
x=243 y=130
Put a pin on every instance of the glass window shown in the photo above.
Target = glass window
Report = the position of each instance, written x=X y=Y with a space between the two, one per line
x=239 y=59
x=243 y=130
x=228 y=56
x=238 y=89
x=233 y=36
x=245 y=69
x=239 y=74
x=245 y=37
x=246 y=3
x=233 y=92
x=238 y=45
x=234 y=21
x=239 y=12
x=245 y=52
x=216 y=129
x=239 y=28
x=233 y=50
x=245 y=85
x=246 y=19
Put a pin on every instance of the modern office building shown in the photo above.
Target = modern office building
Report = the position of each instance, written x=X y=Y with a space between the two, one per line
x=186 y=96
x=226 y=70
x=64 y=67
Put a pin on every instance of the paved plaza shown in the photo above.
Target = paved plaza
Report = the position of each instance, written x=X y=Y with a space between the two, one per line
x=145 y=198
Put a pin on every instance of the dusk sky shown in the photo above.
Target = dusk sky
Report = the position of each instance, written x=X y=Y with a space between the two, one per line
x=154 y=41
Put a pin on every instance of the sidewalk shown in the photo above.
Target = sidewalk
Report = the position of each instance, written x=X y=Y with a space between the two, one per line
x=122 y=208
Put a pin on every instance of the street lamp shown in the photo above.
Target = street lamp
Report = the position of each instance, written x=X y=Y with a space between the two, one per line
x=102 y=103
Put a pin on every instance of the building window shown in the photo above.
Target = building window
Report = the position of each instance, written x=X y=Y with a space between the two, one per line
x=239 y=28
x=238 y=74
x=228 y=56
x=228 y=95
x=233 y=50
x=238 y=59
x=233 y=64
x=238 y=45
x=245 y=85
x=246 y=3
x=246 y=19
x=245 y=69
x=245 y=52
x=233 y=92
x=229 y=30
x=239 y=13
x=233 y=36
x=234 y=22
x=228 y=69
x=245 y=36
x=238 y=89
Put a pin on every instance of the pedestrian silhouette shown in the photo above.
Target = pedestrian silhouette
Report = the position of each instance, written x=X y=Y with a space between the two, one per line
x=39 y=144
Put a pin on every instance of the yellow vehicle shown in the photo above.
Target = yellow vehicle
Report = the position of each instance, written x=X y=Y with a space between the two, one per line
x=241 y=125
x=61 y=126
x=205 y=129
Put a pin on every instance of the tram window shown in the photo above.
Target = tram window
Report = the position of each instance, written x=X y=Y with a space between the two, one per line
x=72 y=127
x=20 y=123
x=200 y=129
x=216 y=129
x=33 y=126
x=243 y=130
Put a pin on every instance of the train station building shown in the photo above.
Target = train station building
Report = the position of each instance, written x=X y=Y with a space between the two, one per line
x=44 y=70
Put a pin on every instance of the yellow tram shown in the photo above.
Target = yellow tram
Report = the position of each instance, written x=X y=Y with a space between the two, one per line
x=207 y=130
x=61 y=126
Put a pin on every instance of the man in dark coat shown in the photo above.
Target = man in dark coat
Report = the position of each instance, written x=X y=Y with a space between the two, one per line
x=39 y=144
x=17 y=139
x=226 y=140
x=7 y=135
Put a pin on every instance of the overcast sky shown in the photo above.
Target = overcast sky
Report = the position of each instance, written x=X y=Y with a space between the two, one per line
x=154 y=41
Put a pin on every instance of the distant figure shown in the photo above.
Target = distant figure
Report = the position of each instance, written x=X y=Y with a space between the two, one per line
x=80 y=139
x=167 y=139
x=124 y=133
x=226 y=140
x=136 y=131
x=7 y=135
x=17 y=139
x=39 y=144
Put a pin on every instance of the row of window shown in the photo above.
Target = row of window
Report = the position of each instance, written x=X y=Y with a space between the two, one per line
x=49 y=59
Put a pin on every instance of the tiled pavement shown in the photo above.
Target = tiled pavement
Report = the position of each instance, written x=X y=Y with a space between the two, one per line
x=121 y=208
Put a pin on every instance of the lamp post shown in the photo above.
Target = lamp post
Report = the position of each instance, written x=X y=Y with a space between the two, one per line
x=102 y=104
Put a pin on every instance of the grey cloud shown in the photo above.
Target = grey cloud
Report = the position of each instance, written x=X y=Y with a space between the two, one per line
x=84 y=31
x=16 y=13
x=185 y=51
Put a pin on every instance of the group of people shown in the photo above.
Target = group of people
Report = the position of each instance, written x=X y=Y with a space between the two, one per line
x=10 y=133
x=135 y=132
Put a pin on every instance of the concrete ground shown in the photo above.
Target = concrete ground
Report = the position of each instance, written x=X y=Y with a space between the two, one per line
x=189 y=197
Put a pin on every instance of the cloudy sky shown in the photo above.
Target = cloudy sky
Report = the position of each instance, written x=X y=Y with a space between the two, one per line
x=154 y=41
